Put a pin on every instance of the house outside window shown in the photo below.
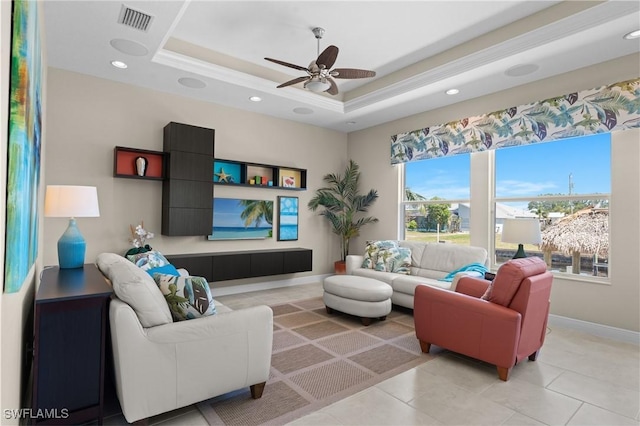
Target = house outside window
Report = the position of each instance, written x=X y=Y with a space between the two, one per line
x=437 y=200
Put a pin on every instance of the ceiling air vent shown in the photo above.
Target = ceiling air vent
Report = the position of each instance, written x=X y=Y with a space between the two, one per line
x=134 y=18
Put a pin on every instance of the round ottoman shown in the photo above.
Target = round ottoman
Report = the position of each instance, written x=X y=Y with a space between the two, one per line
x=363 y=297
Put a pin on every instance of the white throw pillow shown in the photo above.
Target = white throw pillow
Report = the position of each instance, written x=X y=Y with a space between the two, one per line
x=136 y=288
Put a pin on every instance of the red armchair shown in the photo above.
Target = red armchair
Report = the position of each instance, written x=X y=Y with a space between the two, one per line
x=502 y=330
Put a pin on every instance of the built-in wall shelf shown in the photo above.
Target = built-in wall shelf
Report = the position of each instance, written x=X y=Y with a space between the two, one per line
x=124 y=163
x=233 y=265
x=240 y=173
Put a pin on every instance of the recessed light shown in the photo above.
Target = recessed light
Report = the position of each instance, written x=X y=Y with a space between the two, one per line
x=351 y=123
x=452 y=92
x=522 y=69
x=192 y=83
x=119 y=64
x=632 y=35
x=255 y=99
x=303 y=110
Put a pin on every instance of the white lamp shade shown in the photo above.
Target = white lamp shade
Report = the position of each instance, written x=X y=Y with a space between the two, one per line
x=521 y=231
x=71 y=201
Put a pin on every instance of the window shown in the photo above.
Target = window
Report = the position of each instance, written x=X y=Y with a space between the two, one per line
x=563 y=184
x=566 y=184
x=436 y=200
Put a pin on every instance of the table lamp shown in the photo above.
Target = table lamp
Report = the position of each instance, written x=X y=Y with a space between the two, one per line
x=71 y=201
x=521 y=231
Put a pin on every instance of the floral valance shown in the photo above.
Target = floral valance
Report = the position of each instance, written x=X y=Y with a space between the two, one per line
x=600 y=110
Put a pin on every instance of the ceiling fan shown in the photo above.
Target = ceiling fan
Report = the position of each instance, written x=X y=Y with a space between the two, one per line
x=320 y=75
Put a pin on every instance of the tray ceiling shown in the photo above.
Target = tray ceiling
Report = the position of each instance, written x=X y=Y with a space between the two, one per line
x=214 y=50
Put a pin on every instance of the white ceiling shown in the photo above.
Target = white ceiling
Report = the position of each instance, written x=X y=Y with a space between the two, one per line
x=419 y=49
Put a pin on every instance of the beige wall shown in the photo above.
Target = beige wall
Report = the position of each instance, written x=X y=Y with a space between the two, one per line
x=614 y=305
x=89 y=116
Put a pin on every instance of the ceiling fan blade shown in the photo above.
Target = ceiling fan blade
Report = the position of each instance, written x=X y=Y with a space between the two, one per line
x=294 y=81
x=328 y=57
x=333 y=90
x=352 y=73
x=286 y=64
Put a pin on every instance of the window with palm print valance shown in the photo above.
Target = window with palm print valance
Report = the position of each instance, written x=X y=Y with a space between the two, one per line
x=600 y=110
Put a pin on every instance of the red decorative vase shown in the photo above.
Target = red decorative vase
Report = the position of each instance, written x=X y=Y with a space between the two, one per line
x=340 y=267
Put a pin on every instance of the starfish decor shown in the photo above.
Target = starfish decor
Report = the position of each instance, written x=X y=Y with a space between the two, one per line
x=222 y=176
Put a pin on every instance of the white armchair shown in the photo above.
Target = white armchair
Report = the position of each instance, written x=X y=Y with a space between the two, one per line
x=165 y=366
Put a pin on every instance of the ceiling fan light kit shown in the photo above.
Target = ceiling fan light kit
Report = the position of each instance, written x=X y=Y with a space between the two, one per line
x=317 y=84
x=320 y=76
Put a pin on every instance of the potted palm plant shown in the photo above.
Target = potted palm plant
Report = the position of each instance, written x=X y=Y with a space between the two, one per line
x=342 y=205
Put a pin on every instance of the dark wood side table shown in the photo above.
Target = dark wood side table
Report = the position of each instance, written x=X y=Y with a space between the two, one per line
x=70 y=327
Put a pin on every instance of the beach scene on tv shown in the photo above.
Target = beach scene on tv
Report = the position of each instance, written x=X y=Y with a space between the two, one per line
x=240 y=219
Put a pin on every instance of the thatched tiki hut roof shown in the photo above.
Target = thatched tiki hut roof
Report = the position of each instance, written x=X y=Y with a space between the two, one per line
x=585 y=231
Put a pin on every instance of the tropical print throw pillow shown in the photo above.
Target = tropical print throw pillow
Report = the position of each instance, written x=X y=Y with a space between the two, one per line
x=395 y=259
x=187 y=297
x=371 y=252
x=148 y=260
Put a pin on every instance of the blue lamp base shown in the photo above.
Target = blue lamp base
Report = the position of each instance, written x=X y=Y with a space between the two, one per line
x=71 y=247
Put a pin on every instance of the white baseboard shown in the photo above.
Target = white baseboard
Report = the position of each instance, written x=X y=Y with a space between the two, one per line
x=267 y=285
x=606 y=331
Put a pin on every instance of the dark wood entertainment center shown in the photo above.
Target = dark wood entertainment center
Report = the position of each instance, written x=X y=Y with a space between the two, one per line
x=188 y=181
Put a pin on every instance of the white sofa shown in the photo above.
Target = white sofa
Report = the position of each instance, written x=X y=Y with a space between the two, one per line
x=429 y=263
x=161 y=365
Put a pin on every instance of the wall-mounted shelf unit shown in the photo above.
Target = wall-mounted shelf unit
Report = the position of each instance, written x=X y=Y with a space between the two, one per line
x=240 y=173
x=233 y=265
x=187 y=191
x=124 y=163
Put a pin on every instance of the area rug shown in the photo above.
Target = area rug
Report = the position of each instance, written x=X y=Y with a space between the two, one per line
x=318 y=359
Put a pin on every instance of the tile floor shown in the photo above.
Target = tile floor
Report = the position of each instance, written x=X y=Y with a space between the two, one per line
x=578 y=379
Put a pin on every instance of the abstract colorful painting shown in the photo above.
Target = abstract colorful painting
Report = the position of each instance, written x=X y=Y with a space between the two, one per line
x=287 y=218
x=25 y=133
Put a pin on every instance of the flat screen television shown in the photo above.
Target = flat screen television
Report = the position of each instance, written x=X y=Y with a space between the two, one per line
x=241 y=219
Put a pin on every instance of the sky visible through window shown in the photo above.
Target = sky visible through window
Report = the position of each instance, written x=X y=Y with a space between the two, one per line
x=446 y=177
x=532 y=170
